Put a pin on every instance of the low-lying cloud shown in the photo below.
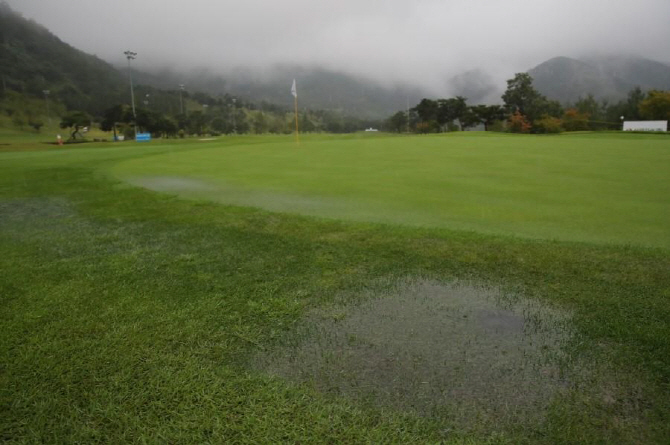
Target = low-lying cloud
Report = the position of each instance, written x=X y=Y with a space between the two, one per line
x=421 y=42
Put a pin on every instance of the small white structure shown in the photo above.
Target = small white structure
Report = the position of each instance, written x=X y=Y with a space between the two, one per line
x=371 y=129
x=645 y=126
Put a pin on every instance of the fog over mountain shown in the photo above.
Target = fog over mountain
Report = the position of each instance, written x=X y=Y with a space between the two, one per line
x=423 y=43
x=606 y=78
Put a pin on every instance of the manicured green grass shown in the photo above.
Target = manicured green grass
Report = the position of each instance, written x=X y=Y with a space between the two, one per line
x=130 y=315
x=606 y=189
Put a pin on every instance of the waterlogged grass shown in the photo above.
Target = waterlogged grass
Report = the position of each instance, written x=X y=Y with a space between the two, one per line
x=131 y=315
x=611 y=188
x=456 y=351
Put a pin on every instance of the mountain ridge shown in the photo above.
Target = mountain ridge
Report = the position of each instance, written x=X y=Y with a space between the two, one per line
x=608 y=77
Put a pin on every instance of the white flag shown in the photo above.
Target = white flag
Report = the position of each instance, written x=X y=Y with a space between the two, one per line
x=294 y=91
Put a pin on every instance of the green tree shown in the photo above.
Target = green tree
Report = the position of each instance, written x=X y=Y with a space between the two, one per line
x=589 y=106
x=427 y=111
x=656 y=106
x=451 y=109
x=488 y=114
x=523 y=98
x=114 y=116
x=520 y=94
x=259 y=122
x=75 y=120
x=635 y=97
x=397 y=123
x=469 y=118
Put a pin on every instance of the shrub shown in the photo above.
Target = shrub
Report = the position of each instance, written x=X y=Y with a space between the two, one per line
x=548 y=125
x=518 y=123
x=573 y=120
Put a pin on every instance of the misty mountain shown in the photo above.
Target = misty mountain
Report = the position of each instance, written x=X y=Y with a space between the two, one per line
x=318 y=88
x=605 y=77
x=477 y=86
x=32 y=59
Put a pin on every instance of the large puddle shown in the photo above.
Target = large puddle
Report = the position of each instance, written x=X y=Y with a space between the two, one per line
x=470 y=354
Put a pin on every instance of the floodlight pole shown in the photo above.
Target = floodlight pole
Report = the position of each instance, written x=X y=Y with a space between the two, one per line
x=46 y=99
x=234 y=112
x=181 y=99
x=131 y=56
x=407 y=97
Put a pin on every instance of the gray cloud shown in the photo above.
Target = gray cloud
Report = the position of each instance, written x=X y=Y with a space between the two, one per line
x=420 y=41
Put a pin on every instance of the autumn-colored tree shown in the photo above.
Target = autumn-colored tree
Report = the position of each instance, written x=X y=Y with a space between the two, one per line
x=573 y=120
x=425 y=127
x=518 y=123
x=656 y=106
x=547 y=125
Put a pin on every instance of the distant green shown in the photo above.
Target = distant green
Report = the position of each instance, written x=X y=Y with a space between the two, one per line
x=605 y=188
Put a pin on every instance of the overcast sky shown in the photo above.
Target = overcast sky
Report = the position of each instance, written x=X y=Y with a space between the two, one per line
x=415 y=41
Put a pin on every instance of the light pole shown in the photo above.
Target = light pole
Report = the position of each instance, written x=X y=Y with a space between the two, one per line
x=181 y=99
x=234 y=112
x=622 y=122
x=46 y=99
x=131 y=56
x=407 y=97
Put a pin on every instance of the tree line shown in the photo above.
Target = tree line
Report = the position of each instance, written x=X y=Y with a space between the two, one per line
x=202 y=114
x=525 y=110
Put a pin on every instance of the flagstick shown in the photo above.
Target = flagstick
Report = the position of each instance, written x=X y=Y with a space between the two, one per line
x=297 y=133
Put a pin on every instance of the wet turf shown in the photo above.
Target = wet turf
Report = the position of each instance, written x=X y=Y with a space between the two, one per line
x=130 y=315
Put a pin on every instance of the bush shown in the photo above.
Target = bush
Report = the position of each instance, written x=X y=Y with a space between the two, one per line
x=573 y=120
x=498 y=126
x=518 y=123
x=36 y=124
x=548 y=125
x=181 y=134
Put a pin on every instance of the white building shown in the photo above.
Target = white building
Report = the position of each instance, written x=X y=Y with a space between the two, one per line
x=645 y=126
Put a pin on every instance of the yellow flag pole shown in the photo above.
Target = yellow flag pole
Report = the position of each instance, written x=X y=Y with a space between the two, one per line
x=297 y=133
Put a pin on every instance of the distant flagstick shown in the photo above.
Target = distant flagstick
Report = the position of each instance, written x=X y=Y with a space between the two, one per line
x=294 y=91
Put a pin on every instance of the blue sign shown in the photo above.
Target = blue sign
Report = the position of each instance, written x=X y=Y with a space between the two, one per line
x=143 y=137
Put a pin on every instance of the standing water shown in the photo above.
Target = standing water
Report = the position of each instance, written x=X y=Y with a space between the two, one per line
x=470 y=354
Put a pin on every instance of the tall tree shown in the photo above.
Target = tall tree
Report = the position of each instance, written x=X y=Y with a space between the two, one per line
x=427 y=110
x=451 y=109
x=635 y=98
x=520 y=95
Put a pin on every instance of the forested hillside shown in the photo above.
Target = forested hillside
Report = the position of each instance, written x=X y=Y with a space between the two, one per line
x=32 y=60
